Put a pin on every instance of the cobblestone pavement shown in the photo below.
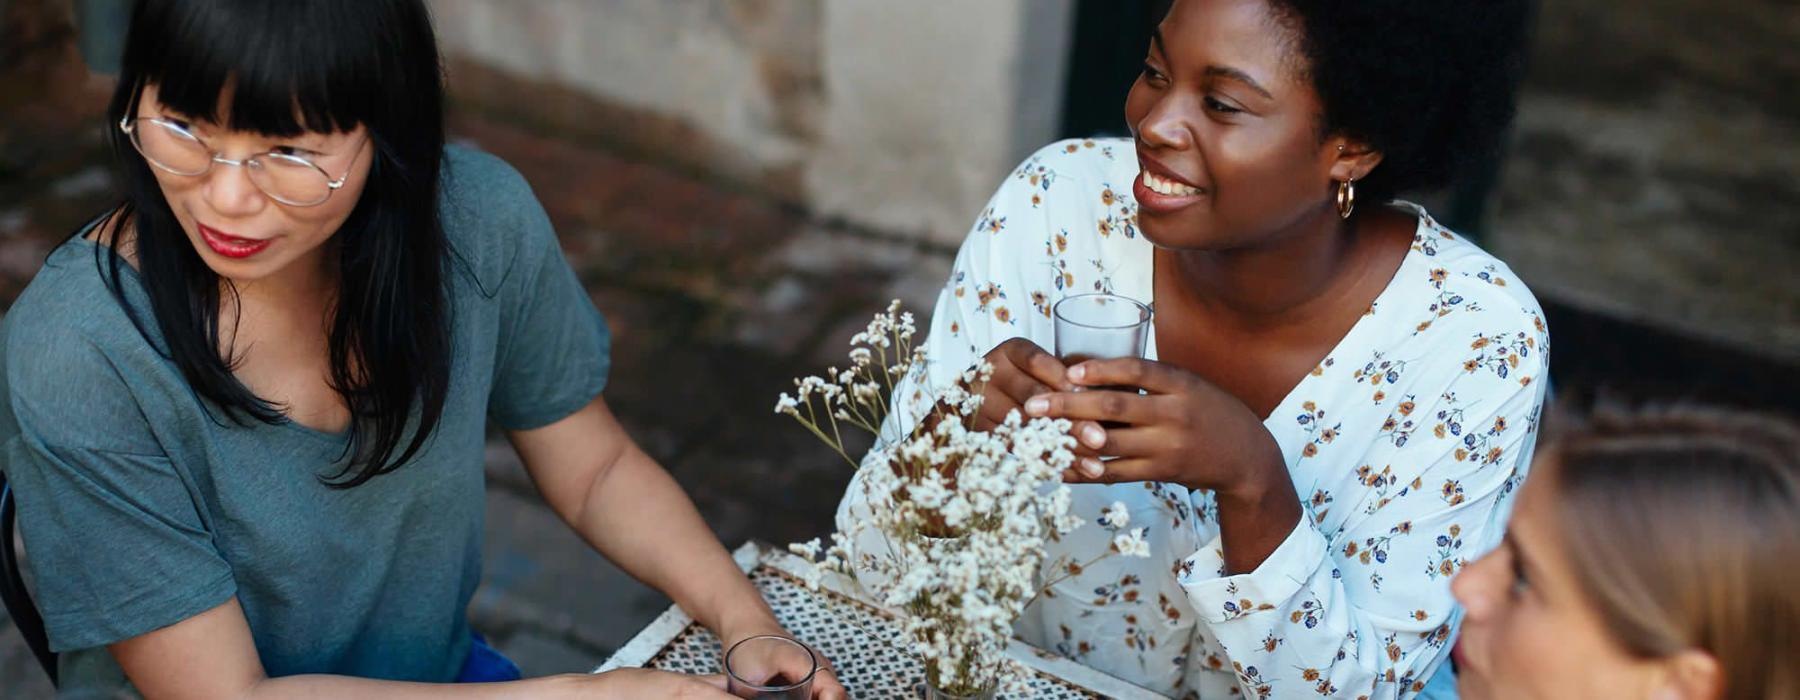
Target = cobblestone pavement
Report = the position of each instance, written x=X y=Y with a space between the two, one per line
x=1643 y=197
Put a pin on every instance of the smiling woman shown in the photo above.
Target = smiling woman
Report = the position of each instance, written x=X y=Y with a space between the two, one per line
x=244 y=411
x=1339 y=396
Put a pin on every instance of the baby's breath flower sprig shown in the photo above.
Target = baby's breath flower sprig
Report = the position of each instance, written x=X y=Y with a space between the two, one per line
x=858 y=395
x=996 y=491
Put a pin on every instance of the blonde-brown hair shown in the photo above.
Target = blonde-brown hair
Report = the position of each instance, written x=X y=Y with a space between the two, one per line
x=1683 y=529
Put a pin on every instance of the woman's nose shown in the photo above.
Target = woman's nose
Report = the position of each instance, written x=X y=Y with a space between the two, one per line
x=1476 y=586
x=1166 y=125
x=230 y=191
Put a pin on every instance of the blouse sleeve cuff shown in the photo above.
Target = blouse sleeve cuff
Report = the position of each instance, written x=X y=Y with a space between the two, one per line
x=1220 y=598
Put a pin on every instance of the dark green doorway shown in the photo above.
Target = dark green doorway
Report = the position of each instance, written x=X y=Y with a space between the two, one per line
x=1111 y=38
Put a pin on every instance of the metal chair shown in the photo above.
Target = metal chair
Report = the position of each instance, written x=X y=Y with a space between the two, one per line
x=12 y=588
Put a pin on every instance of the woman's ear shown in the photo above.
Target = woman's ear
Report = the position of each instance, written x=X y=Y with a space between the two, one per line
x=1352 y=158
x=1689 y=675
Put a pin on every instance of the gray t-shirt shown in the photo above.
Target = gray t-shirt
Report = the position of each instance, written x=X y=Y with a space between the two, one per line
x=139 y=509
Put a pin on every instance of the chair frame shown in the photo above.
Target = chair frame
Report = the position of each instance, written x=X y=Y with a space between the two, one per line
x=12 y=588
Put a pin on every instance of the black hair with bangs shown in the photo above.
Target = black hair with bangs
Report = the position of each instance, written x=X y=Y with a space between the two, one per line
x=294 y=66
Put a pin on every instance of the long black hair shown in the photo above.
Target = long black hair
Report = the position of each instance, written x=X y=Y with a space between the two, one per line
x=299 y=66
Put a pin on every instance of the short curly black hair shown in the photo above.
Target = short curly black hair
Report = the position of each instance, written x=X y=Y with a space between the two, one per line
x=1429 y=83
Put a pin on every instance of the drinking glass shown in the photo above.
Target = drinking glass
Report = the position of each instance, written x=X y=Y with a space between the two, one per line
x=1100 y=326
x=749 y=662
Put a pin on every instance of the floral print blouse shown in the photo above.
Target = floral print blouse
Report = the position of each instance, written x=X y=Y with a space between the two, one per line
x=1405 y=444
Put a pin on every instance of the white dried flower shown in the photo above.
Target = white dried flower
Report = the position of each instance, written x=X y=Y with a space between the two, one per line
x=1133 y=543
x=1115 y=517
x=998 y=491
x=809 y=549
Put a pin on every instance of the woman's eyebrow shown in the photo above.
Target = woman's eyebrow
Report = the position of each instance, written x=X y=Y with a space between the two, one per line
x=1230 y=73
x=1227 y=72
x=195 y=122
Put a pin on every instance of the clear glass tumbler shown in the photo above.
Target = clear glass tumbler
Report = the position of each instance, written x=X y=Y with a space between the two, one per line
x=1100 y=326
x=760 y=667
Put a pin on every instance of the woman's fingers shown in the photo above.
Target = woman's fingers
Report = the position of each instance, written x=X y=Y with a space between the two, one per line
x=1099 y=405
x=1154 y=377
x=827 y=687
x=1089 y=435
x=1085 y=470
x=1015 y=385
x=1038 y=364
x=1089 y=470
x=1090 y=438
x=1023 y=370
x=1135 y=442
x=716 y=680
x=993 y=411
x=1130 y=454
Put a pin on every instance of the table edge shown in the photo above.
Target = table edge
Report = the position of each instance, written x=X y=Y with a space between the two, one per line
x=672 y=622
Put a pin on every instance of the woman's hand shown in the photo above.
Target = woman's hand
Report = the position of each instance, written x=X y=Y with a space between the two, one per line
x=650 y=683
x=1187 y=431
x=1023 y=370
x=757 y=666
x=1182 y=430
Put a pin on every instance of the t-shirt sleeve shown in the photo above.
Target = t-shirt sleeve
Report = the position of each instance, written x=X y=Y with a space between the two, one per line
x=113 y=533
x=554 y=350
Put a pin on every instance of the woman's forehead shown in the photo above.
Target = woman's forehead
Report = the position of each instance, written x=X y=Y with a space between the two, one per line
x=220 y=118
x=1251 y=36
x=1534 y=528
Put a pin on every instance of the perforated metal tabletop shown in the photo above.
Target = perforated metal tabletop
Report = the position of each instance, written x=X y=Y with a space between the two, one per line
x=860 y=638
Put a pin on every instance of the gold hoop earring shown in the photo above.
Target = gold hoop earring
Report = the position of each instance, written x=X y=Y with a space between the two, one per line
x=1346 y=198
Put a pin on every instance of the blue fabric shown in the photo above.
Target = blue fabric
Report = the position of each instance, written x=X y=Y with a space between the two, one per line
x=486 y=664
x=1442 y=685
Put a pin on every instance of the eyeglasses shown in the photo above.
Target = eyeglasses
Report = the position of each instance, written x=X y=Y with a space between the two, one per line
x=288 y=179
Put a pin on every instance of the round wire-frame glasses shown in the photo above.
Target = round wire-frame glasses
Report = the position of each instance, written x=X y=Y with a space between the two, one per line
x=288 y=179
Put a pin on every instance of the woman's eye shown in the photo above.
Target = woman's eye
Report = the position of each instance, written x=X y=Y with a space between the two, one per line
x=293 y=151
x=1220 y=107
x=1519 y=583
x=1151 y=73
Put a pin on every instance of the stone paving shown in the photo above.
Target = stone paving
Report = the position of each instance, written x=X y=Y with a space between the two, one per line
x=718 y=298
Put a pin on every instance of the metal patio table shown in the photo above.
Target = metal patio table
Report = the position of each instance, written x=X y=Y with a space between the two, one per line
x=862 y=640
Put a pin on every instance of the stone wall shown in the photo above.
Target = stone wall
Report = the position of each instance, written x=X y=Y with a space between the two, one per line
x=896 y=116
x=1655 y=170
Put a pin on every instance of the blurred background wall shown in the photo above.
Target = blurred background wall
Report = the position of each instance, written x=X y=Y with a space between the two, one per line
x=1650 y=177
x=894 y=116
x=740 y=183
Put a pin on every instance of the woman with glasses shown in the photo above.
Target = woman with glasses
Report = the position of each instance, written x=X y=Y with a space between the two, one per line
x=245 y=410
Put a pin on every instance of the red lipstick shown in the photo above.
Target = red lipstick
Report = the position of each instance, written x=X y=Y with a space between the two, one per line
x=236 y=247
